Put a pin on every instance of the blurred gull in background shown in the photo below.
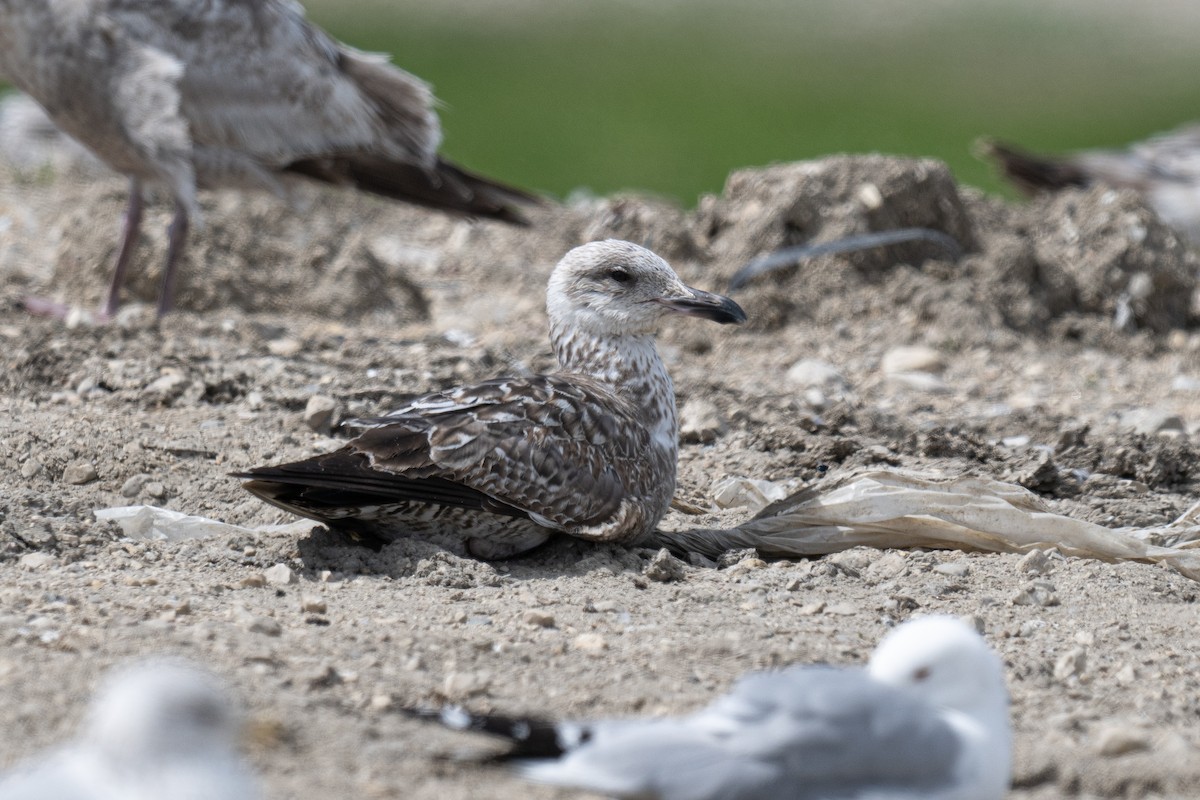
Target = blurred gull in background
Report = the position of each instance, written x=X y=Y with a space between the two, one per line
x=160 y=730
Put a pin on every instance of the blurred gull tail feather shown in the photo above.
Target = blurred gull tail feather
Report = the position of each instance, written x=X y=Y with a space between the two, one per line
x=1030 y=172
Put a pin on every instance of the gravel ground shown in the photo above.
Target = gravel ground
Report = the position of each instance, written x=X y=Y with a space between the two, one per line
x=1007 y=363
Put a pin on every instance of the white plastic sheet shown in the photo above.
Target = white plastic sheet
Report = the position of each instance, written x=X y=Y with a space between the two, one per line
x=895 y=509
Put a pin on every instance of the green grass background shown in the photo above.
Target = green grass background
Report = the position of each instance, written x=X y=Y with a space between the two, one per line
x=668 y=97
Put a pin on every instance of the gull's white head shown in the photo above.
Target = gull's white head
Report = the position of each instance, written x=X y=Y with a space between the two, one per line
x=162 y=709
x=944 y=660
x=613 y=287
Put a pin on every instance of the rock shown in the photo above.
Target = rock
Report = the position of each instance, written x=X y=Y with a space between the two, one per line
x=664 y=568
x=167 y=387
x=31 y=467
x=325 y=678
x=37 y=560
x=253 y=582
x=319 y=413
x=842 y=609
x=280 y=575
x=591 y=643
x=267 y=626
x=156 y=489
x=812 y=372
x=1151 y=421
x=78 y=473
x=381 y=702
x=1042 y=475
x=700 y=422
x=1071 y=664
x=1035 y=561
x=1185 y=383
x=285 y=347
x=1036 y=593
x=921 y=381
x=888 y=566
x=911 y=358
x=955 y=569
x=538 y=619
x=312 y=604
x=133 y=485
x=459 y=685
x=1117 y=740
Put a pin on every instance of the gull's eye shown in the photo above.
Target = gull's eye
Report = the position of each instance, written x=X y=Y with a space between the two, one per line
x=920 y=675
x=619 y=275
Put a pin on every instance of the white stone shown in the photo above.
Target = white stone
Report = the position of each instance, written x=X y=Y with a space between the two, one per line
x=812 y=372
x=912 y=358
x=319 y=413
x=280 y=575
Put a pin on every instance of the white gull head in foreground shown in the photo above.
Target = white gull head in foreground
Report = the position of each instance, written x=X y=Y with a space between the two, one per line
x=230 y=93
x=157 y=730
x=589 y=451
x=926 y=720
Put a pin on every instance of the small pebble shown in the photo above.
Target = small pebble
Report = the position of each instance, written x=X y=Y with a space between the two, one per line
x=78 y=473
x=31 y=467
x=253 y=582
x=811 y=372
x=284 y=347
x=458 y=685
x=1070 y=664
x=664 y=568
x=319 y=413
x=264 y=625
x=312 y=604
x=134 y=485
x=700 y=422
x=956 y=569
x=842 y=609
x=1035 y=561
x=539 y=619
x=1036 y=593
x=912 y=358
x=280 y=575
x=592 y=643
x=156 y=489
x=37 y=560
x=1117 y=740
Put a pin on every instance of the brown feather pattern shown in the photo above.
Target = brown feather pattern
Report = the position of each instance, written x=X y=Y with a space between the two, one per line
x=588 y=451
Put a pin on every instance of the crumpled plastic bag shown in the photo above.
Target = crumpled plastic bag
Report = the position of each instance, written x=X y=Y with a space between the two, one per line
x=152 y=522
x=897 y=509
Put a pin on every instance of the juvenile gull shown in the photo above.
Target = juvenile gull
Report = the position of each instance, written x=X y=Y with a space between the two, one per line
x=588 y=451
x=233 y=93
x=1165 y=169
x=157 y=730
x=927 y=719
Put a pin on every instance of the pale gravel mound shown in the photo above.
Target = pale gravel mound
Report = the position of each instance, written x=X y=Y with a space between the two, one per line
x=1031 y=384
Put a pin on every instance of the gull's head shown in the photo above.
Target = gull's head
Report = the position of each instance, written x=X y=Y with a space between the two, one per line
x=945 y=661
x=614 y=287
x=162 y=708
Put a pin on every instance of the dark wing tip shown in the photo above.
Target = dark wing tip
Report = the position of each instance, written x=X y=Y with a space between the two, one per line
x=444 y=186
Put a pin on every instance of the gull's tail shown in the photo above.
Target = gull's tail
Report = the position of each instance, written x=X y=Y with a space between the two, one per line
x=1030 y=172
x=527 y=737
x=444 y=186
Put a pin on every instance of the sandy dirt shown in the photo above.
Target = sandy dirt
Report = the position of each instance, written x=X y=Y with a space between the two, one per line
x=1061 y=355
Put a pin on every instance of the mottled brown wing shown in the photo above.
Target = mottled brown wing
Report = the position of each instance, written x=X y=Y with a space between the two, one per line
x=547 y=447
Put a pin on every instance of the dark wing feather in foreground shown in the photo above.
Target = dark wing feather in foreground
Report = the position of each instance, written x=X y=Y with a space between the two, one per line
x=544 y=447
